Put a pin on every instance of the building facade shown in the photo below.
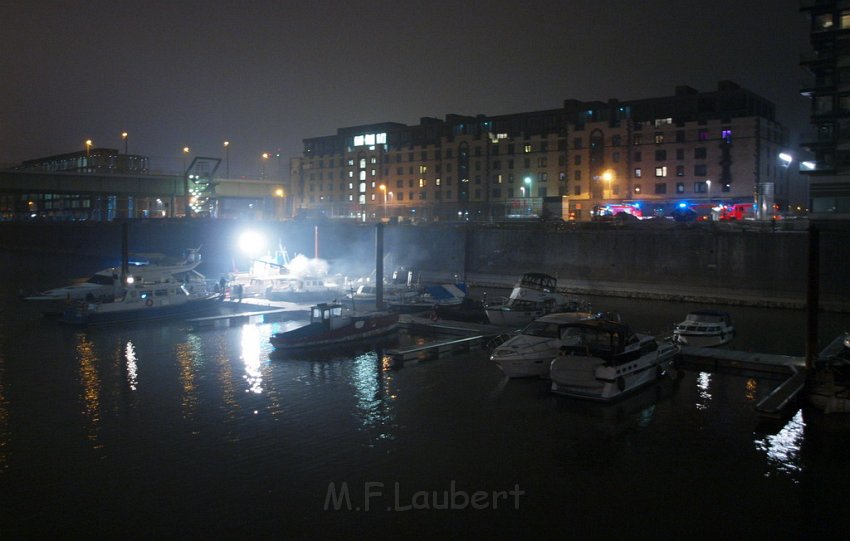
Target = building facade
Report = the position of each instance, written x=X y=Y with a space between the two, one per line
x=577 y=162
x=829 y=89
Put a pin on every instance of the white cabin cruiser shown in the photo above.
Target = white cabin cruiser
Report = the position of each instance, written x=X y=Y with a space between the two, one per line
x=704 y=328
x=530 y=352
x=603 y=360
x=143 y=300
x=533 y=296
x=105 y=284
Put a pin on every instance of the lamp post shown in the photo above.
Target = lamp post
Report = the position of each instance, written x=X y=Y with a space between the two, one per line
x=227 y=158
x=527 y=180
x=88 y=148
x=383 y=188
x=265 y=157
x=708 y=189
x=125 y=136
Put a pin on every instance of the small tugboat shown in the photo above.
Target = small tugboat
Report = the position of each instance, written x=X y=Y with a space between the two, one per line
x=603 y=360
x=704 y=328
x=330 y=325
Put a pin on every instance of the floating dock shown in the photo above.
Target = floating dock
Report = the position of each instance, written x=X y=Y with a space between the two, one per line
x=255 y=317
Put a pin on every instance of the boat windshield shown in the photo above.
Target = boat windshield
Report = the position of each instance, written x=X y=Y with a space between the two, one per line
x=542 y=329
x=101 y=280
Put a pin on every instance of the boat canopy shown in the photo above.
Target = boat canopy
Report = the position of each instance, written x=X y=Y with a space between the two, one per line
x=595 y=337
x=538 y=280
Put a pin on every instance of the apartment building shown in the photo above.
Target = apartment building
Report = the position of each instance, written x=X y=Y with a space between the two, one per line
x=721 y=146
x=829 y=89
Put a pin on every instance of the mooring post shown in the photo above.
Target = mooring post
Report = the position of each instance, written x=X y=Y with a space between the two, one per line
x=379 y=266
x=812 y=296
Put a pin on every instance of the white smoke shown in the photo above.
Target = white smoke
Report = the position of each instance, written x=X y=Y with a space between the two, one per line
x=301 y=265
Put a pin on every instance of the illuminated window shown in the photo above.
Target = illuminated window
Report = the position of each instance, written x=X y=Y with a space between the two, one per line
x=637 y=188
x=373 y=159
x=663 y=122
x=437 y=182
x=659 y=138
x=362 y=163
x=421 y=182
x=362 y=187
x=661 y=171
x=680 y=187
x=638 y=172
x=526 y=149
x=726 y=135
x=362 y=175
x=423 y=169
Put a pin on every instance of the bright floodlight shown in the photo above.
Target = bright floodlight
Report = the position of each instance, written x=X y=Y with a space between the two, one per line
x=252 y=242
x=785 y=158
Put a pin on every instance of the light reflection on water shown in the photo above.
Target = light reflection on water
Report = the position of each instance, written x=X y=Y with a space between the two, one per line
x=783 y=448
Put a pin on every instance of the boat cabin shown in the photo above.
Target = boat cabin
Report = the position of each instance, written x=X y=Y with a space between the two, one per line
x=539 y=281
x=611 y=341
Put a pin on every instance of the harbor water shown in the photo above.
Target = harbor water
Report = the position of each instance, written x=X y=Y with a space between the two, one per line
x=153 y=430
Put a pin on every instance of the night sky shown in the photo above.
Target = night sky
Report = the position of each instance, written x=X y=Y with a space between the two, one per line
x=264 y=75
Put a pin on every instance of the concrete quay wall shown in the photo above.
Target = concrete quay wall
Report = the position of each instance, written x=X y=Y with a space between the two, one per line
x=701 y=262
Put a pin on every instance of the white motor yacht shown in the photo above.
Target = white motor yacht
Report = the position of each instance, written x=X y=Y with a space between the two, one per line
x=106 y=284
x=603 y=360
x=534 y=295
x=704 y=328
x=530 y=352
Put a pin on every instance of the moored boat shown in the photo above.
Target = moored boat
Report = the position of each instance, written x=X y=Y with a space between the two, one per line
x=704 y=328
x=142 y=301
x=106 y=284
x=530 y=352
x=330 y=324
x=603 y=360
x=534 y=295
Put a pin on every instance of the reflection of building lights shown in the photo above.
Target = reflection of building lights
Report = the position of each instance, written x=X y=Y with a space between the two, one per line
x=132 y=367
x=783 y=448
x=751 y=388
x=703 y=384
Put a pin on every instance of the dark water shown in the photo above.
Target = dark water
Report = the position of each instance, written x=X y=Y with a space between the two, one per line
x=149 y=431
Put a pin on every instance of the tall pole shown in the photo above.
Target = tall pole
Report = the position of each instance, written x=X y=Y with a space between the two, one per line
x=125 y=136
x=812 y=296
x=188 y=209
x=227 y=158
x=379 y=266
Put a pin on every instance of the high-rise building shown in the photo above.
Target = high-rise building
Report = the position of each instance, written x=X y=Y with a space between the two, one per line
x=582 y=159
x=829 y=90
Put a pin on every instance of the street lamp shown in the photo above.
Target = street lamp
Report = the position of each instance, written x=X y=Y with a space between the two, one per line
x=265 y=156
x=708 y=189
x=227 y=158
x=383 y=188
x=88 y=147
x=124 y=136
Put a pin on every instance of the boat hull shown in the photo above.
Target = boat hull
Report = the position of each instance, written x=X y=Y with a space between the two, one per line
x=703 y=340
x=118 y=313
x=590 y=378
